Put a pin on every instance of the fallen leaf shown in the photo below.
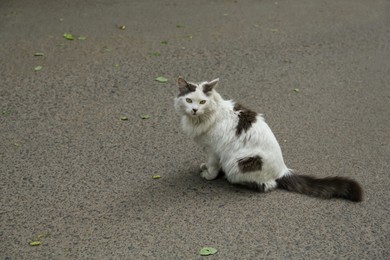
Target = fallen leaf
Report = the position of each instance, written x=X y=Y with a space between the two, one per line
x=180 y=26
x=38 y=68
x=156 y=53
x=117 y=65
x=296 y=89
x=11 y=13
x=145 y=116
x=124 y=118
x=68 y=36
x=106 y=48
x=43 y=235
x=156 y=177
x=39 y=54
x=274 y=30
x=35 y=243
x=161 y=79
x=122 y=27
x=82 y=38
x=208 y=251
x=6 y=112
x=164 y=42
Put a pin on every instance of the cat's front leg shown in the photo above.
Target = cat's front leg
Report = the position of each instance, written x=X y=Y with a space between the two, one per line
x=210 y=170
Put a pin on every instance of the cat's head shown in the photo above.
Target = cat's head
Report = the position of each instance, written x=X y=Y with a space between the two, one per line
x=195 y=100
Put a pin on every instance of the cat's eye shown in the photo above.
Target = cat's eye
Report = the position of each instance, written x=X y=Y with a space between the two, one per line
x=189 y=100
x=202 y=102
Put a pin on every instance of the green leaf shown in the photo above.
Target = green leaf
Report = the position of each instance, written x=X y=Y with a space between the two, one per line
x=35 y=243
x=39 y=54
x=82 y=38
x=145 y=116
x=43 y=235
x=296 y=89
x=180 y=26
x=164 y=42
x=161 y=79
x=207 y=251
x=38 y=68
x=155 y=177
x=156 y=53
x=124 y=118
x=6 y=113
x=68 y=36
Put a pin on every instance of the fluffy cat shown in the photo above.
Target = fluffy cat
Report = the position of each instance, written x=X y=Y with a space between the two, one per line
x=240 y=143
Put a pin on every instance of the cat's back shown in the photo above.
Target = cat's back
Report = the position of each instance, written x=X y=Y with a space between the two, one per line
x=240 y=130
x=237 y=127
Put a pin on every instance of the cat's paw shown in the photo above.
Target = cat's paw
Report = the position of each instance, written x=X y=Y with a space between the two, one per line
x=206 y=175
x=203 y=167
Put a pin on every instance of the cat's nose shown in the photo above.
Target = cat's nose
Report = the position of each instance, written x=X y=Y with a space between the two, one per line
x=194 y=109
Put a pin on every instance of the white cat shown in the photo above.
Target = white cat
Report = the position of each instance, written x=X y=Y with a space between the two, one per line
x=240 y=143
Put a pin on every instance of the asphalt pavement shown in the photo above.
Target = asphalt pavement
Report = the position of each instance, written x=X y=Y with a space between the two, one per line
x=85 y=126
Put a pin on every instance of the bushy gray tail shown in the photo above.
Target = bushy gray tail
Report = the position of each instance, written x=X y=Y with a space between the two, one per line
x=330 y=187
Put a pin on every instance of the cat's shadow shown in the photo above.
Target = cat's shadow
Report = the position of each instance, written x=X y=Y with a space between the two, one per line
x=190 y=180
x=180 y=188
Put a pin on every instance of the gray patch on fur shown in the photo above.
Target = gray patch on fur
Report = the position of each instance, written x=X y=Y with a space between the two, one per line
x=187 y=89
x=246 y=118
x=250 y=164
x=207 y=89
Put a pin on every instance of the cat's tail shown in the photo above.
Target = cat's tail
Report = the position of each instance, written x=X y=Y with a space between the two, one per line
x=329 y=187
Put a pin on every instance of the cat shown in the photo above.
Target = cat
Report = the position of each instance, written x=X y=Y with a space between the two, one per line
x=239 y=143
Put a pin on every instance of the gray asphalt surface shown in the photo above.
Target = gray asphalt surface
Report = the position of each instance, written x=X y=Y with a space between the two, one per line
x=78 y=179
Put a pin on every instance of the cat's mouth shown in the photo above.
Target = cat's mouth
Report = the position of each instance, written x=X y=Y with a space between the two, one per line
x=194 y=113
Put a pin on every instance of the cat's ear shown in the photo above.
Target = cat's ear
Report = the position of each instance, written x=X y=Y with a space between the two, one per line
x=210 y=85
x=182 y=83
x=185 y=87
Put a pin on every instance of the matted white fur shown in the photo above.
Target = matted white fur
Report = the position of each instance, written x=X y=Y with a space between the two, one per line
x=212 y=122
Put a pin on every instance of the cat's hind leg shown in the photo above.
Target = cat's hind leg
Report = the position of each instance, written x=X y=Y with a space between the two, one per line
x=252 y=174
x=269 y=185
x=259 y=186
